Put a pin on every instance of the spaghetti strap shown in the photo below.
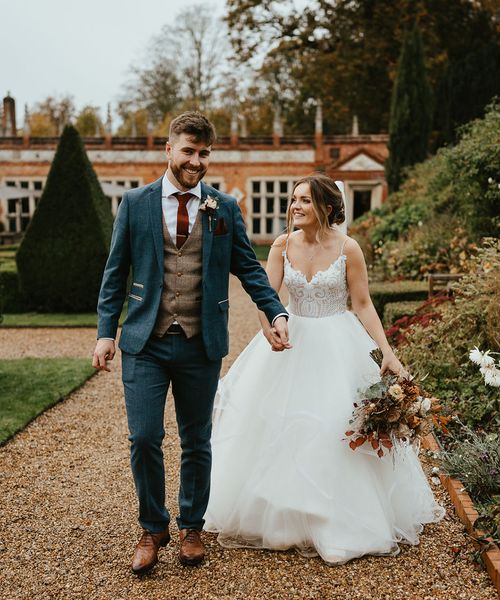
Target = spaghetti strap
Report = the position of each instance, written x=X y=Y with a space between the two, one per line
x=284 y=253
x=342 y=247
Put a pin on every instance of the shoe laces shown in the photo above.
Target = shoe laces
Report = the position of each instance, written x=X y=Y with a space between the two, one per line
x=148 y=538
x=192 y=536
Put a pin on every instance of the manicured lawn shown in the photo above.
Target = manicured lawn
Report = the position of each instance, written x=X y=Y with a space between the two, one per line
x=53 y=319
x=30 y=385
x=49 y=320
x=261 y=251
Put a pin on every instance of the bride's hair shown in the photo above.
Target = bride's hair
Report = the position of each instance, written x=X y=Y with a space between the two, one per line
x=327 y=200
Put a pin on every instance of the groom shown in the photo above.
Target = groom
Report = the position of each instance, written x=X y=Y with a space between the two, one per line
x=180 y=239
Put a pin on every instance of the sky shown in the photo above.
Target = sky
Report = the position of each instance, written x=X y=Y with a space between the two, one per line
x=80 y=48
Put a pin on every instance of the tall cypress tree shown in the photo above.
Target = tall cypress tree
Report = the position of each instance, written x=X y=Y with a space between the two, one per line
x=411 y=111
x=62 y=256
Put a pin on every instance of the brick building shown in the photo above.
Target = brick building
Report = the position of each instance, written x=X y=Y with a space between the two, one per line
x=259 y=171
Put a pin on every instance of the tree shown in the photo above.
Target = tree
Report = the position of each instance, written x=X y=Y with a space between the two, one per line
x=185 y=68
x=49 y=116
x=411 y=111
x=346 y=52
x=88 y=122
x=62 y=255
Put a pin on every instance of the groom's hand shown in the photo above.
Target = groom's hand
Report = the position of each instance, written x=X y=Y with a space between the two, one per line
x=104 y=351
x=280 y=331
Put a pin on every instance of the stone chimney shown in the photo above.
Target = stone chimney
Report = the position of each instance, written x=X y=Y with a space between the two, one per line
x=26 y=127
x=9 y=116
x=318 y=131
x=355 y=126
x=277 y=126
x=243 y=126
x=150 y=127
x=108 y=129
x=234 y=130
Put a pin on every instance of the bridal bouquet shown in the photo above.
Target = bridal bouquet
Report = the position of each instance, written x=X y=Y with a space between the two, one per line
x=395 y=408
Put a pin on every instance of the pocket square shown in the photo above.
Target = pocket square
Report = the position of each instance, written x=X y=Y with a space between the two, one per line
x=221 y=228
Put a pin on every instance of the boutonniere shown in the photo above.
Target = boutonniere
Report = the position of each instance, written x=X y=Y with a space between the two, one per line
x=209 y=206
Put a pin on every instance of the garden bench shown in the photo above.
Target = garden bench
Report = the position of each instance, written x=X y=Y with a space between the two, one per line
x=443 y=281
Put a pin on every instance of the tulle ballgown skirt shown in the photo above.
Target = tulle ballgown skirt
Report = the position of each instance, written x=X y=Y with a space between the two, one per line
x=283 y=475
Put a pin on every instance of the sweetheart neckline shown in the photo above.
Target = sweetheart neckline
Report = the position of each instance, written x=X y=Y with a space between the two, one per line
x=321 y=271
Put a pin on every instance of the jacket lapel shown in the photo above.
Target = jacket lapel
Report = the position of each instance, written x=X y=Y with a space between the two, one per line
x=156 y=219
x=208 y=235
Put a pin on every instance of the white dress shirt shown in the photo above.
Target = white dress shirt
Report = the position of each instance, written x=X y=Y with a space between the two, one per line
x=170 y=204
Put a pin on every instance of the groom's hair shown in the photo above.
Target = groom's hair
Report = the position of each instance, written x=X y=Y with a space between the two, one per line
x=195 y=125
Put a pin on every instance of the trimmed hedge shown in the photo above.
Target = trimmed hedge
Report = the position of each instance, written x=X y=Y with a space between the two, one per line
x=63 y=253
x=383 y=293
x=11 y=297
x=395 y=310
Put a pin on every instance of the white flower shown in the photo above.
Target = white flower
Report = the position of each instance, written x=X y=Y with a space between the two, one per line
x=209 y=204
x=476 y=355
x=490 y=180
x=492 y=378
x=396 y=391
x=425 y=405
x=487 y=360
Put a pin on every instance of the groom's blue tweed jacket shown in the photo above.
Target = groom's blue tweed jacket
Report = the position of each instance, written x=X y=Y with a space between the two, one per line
x=137 y=243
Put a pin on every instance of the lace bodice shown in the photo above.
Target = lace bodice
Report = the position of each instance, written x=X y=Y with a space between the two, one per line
x=323 y=296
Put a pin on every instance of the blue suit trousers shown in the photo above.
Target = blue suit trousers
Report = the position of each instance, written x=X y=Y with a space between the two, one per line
x=182 y=362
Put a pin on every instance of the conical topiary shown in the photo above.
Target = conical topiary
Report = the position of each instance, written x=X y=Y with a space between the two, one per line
x=411 y=111
x=62 y=256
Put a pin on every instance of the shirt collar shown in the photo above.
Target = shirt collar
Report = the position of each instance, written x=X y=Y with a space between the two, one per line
x=168 y=189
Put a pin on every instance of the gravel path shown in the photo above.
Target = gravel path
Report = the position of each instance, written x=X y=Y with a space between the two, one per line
x=68 y=511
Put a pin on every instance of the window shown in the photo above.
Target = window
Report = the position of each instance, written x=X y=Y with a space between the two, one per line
x=113 y=195
x=268 y=204
x=17 y=212
x=362 y=200
x=215 y=182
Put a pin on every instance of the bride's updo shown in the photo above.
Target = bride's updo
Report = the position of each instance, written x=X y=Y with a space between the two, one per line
x=327 y=200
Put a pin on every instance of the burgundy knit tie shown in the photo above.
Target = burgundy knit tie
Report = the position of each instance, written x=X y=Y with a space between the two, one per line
x=182 y=218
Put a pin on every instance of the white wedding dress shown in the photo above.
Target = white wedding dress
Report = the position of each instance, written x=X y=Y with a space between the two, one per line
x=283 y=475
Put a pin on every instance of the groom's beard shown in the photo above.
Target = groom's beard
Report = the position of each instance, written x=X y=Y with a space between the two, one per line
x=187 y=180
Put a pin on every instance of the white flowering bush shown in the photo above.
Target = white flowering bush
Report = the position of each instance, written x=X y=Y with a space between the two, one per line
x=487 y=366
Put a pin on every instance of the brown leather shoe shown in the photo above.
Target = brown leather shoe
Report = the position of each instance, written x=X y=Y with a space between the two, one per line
x=192 y=550
x=146 y=552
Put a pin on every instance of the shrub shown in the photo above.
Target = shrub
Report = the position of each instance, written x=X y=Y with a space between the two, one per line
x=437 y=247
x=447 y=204
x=441 y=349
x=11 y=298
x=475 y=460
x=62 y=256
x=423 y=316
x=384 y=292
x=394 y=311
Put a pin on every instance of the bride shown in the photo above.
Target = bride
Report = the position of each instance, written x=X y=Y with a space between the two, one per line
x=283 y=476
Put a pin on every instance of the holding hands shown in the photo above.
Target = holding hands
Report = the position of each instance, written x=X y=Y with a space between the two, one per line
x=277 y=335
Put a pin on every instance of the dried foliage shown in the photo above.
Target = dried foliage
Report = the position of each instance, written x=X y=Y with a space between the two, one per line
x=395 y=409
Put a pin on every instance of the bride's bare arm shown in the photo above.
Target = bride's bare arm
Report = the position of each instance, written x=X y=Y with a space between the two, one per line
x=357 y=281
x=274 y=270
